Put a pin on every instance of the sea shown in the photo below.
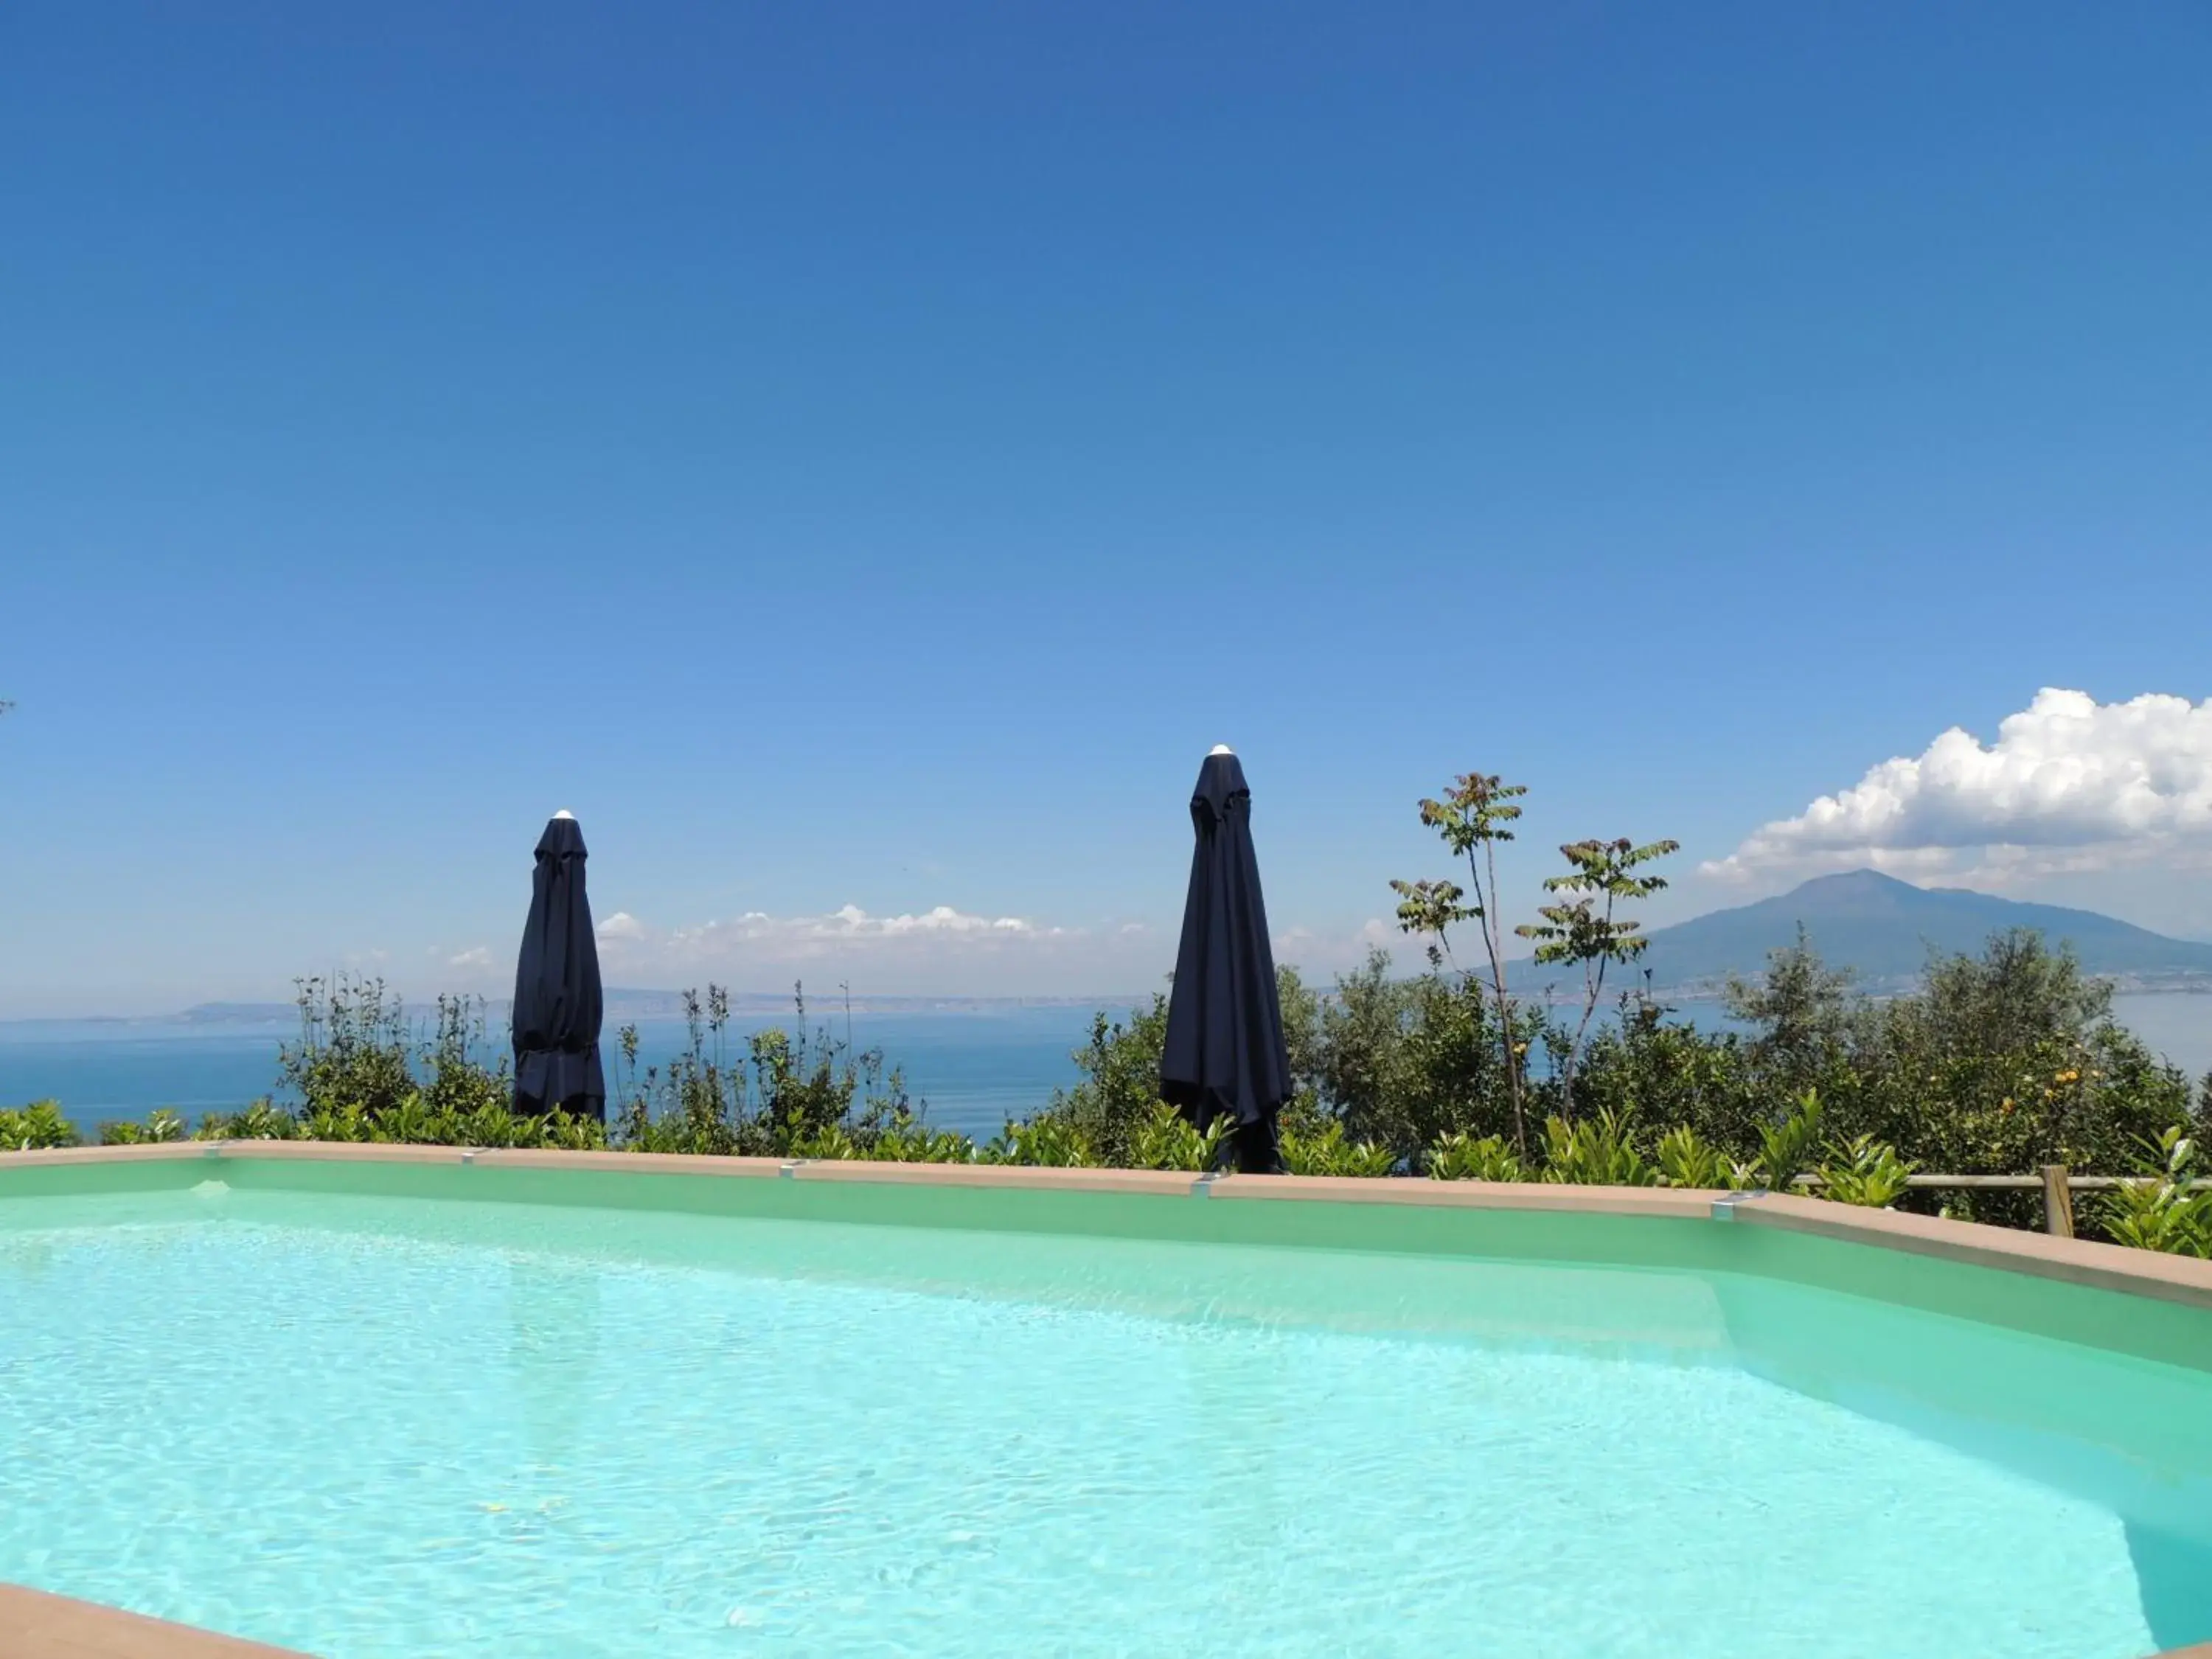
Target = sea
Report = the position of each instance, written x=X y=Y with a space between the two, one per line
x=970 y=1069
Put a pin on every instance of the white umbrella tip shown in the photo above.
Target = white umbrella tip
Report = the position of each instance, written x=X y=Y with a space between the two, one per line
x=1221 y=749
x=565 y=813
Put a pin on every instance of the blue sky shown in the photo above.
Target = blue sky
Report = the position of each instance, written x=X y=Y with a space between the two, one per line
x=863 y=456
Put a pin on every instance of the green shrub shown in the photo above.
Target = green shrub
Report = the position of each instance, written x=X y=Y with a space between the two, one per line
x=1329 y=1153
x=35 y=1126
x=1593 y=1153
x=1166 y=1139
x=1054 y=1142
x=1865 y=1171
x=2159 y=1209
x=162 y=1125
x=354 y=1048
x=1462 y=1157
x=1685 y=1159
x=913 y=1142
x=1787 y=1149
x=262 y=1121
x=1405 y=1062
x=1119 y=1095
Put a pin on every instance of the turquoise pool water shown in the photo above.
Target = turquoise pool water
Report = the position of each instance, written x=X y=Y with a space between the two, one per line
x=368 y=1426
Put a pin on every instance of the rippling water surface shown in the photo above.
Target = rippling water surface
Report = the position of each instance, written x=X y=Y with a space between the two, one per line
x=371 y=1427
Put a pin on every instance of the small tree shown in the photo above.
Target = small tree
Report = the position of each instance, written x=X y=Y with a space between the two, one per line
x=1585 y=930
x=1472 y=818
x=1804 y=1012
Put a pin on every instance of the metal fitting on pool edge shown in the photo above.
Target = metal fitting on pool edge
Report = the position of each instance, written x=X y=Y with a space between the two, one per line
x=1724 y=1206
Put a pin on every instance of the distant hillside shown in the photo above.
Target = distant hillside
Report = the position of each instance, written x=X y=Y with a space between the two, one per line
x=1882 y=929
x=241 y=1013
x=630 y=1003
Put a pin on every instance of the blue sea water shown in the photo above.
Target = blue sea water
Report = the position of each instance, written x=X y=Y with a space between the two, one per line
x=971 y=1070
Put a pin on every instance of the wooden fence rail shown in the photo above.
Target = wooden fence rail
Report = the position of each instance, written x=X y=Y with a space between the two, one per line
x=2055 y=1182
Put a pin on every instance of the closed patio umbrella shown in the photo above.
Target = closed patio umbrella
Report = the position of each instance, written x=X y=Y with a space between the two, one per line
x=557 y=999
x=1224 y=1055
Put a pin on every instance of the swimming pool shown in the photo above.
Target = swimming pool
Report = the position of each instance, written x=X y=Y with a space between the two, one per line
x=407 y=1405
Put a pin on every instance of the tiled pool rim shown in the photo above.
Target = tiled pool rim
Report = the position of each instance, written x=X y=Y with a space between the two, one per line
x=2152 y=1305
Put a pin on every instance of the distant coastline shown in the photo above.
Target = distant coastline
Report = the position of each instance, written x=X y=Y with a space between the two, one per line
x=623 y=1006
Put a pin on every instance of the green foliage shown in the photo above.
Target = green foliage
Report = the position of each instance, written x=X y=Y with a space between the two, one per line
x=1806 y=1019
x=1474 y=817
x=163 y=1124
x=1584 y=930
x=1302 y=1037
x=1329 y=1153
x=2160 y=1209
x=1789 y=1149
x=1461 y=1157
x=1120 y=1092
x=790 y=1095
x=1667 y=1073
x=1404 y=1062
x=1053 y=1142
x=262 y=1121
x=2001 y=1061
x=1169 y=1140
x=354 y=1048
x=34 y=1127
x=1686 y=1158
x=1864 y=1170
x=910 y=1142
x=414 y=1120
x=1597 y=1152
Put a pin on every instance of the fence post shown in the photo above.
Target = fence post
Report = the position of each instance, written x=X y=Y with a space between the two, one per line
x=2057 y=1201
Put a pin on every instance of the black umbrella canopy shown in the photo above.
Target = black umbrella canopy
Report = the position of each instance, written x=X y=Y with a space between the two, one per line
x=558 y=1003
x=1224 y=1055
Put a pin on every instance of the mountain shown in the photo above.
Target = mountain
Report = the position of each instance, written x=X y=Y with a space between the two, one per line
x=1882 y=929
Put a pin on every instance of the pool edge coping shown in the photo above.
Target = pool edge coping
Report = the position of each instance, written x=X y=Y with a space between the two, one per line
x=36 y=1624
x=2084 y=1262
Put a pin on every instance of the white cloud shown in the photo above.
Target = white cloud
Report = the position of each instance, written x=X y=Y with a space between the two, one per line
x=1333 y=949
x=2070 y=784
x=480 y=957
x=847 y=925
x=942 y=937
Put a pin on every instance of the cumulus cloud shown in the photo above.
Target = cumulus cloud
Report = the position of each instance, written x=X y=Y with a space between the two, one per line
x=757 y=934
x=853 y=922
x=479 y=957
x=943 y=949
x=2070 y=784
x=848 y=924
